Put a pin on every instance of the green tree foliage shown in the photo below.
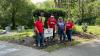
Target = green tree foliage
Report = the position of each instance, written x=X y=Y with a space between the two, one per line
x=89 y=11
x=48 y=12
x=46 y=4
x=81 y=10
x=15 y=12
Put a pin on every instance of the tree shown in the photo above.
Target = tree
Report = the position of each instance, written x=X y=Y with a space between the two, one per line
x=17 y=10
x=83 y=10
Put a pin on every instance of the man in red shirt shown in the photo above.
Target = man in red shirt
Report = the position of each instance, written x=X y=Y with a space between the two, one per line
x=68 y=29
x=52 y=24
x=39 y=30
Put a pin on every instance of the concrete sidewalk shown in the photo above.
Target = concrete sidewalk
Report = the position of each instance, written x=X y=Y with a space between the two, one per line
x=87 y=49
x=7 y=49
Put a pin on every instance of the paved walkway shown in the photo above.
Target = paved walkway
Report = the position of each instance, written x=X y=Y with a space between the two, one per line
x=7 y=49
x=86 y=49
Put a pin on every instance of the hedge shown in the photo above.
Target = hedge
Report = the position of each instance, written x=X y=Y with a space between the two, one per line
x=98 y=21
x=48 y=12
x=57 y=12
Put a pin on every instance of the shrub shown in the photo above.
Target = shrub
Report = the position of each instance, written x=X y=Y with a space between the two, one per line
x=90 y=20
x=98 y=21
x=74 y=31
x=48 y=12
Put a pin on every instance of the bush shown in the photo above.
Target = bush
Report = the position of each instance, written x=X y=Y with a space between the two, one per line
x=98 y=21
x=74 y=31
x=90 y=20
x=57 y=12
x=48 y=12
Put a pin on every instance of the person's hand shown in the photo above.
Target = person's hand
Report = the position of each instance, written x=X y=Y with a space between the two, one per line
x=55 y=31
x=37 y=31
x=64 y=31
x=48 y=27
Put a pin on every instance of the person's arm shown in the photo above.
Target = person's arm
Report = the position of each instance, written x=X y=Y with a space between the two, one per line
x=48 y=23
x=43 y=23
x=36 y=30
x=55 y=25
x=65 y=28
x=56 y=28
x=73 y=26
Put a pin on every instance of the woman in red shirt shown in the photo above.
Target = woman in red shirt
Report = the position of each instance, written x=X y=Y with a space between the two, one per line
x=39 y=30
x=68 y=29
x=52 y=24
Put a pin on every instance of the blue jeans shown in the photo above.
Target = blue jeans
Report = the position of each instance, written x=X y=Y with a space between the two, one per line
x=40 y=39
x=62 y=35
x=69 y=35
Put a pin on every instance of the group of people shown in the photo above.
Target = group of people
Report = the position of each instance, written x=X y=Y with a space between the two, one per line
x=63 y=28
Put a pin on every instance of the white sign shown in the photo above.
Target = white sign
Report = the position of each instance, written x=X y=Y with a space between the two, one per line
x=48 y=32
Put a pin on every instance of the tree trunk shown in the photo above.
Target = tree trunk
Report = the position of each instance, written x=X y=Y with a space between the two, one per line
x=82 y=9
x=55 y=3
x=69 y=8
x=13 y=20
x=79 y=8
x=58 y=3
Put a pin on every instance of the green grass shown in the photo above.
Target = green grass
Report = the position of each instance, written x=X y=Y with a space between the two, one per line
x=92 y=29
x=18 y=36
x=13 y=37
x=0 y=29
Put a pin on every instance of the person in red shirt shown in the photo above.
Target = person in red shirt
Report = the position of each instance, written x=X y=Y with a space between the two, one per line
x=39 y=30
x=68 y=29
x=52 y=24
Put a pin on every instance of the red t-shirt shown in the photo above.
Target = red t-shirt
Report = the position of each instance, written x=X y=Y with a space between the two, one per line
x=51 y=23
x=69 y=25
x=40 y=26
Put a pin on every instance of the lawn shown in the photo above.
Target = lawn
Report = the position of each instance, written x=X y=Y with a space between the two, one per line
x=0 y=29
x=92 y=29
x=16 y=35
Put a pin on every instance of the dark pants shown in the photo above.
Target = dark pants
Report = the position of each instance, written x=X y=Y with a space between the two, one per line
x=62 y=35
x=53 y=35
x=40 y=39
x=69 y=35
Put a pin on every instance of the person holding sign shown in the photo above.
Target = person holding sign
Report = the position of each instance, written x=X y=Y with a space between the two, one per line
x=39 y=30
x=52 y=24
x=61 y=30
x=69 y=27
